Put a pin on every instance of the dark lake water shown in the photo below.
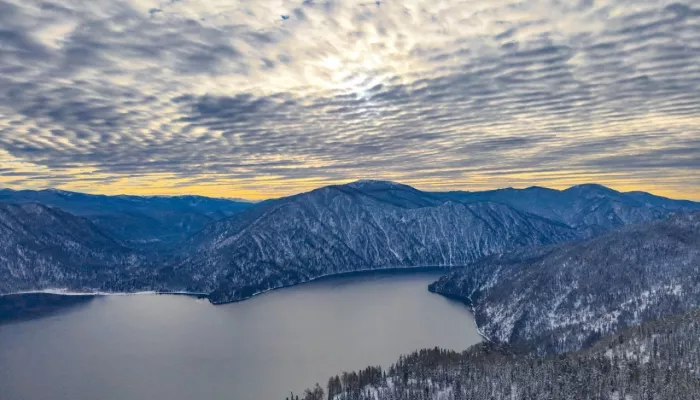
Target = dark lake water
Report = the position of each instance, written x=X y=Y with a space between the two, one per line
x=177 y=347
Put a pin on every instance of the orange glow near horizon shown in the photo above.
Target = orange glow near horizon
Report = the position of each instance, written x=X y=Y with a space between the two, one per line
x=268 y=189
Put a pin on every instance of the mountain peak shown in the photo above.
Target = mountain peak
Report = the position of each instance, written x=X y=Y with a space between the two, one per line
x=540 y=188
x=392 y=192
x=592 y=188
x=372 y=184
x=59 y=192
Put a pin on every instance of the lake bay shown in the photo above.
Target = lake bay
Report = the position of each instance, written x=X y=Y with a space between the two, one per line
x=179 y=347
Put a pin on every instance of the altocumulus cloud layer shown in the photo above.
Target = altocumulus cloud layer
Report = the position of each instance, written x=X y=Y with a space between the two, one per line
x=265 y=97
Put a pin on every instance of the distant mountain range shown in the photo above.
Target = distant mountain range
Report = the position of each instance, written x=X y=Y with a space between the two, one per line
x=43 y=247
x=234 y=250
x=158 y=221
x=590 y=206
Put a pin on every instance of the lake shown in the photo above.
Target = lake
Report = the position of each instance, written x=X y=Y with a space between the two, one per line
x=178 y=347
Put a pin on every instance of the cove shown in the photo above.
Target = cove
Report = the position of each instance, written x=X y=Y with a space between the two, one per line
x=179 y=347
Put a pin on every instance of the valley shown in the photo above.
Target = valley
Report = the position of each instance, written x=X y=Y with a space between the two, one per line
x=283 y=242
x=556 y=280
x=350 y=200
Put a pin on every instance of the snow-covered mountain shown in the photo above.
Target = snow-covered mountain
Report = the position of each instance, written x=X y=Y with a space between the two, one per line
x=339 y=228
x=139 y=221
x=47 y=248
x=564 y=297
x=656 y=360
x=363 y=225
x=589 y=206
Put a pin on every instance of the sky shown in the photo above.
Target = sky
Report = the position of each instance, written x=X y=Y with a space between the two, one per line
x=262 y=98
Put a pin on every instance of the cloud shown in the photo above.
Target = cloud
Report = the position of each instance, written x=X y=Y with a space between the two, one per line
x=195 y=95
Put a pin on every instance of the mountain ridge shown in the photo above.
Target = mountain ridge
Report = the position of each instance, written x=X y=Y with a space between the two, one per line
x=140 y=221
x=365 y=224
x=45 y=247
x=557 y=299
x=587 y=206
x=325 y=216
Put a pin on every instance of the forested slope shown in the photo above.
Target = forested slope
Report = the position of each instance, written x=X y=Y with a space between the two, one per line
x=658 y=360
x=47 y=248
x=364 y=225
x=564 y=297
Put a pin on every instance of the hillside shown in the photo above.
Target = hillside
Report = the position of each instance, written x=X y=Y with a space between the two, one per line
x=235 y=250
x=564 y=297
x=657 y=360
x=364 y=225
x=590 y=206
x=158 y=221
x=47 y=248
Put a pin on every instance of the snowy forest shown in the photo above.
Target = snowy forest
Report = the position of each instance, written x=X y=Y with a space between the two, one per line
x=654 y=361
x=615 y=317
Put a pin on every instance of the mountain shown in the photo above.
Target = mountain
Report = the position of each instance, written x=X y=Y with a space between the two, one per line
x=657 y=360
x=590 y=206
x=234 y=250
x=649 y=200
x=343 y=228
x=565 y=297
x=138 y=221
x=47 y=248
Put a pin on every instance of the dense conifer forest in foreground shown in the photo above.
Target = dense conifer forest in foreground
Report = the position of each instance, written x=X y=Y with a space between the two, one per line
x=657 y=360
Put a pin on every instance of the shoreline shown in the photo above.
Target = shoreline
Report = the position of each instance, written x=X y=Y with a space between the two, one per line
x=359 y=272
x=468 y=303
x=67 y=292
x=202 y=295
